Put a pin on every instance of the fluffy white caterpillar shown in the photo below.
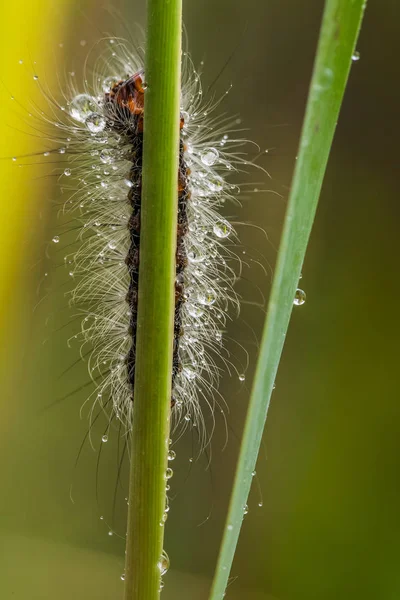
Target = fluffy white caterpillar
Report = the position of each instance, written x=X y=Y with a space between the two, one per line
x=99 y=134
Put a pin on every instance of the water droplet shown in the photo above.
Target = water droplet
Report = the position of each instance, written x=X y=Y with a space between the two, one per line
x=222 y=229
x=21 y=62
x=35 y=77
x=253 y=473
x=123 y=577
x=207 y=298
x=112 y=244
x=230 y=527
x=194 y=310
x=163 y=563
x=109 y=82
x=209 y=156
x=14 y=158
x=56 y=239
x=215 y=184
x=195 y=256
x=95 y=122
x=171 y=455
x=81 y=106
x=62 y=151
x=168 y=473
x=67 y=172
x=299 y=297
x=83 y=42
x=110 y=533
x=189 y=373
x=104 y=438
x=245 y=509
x=242 y=377
x=46 y=153
x=106 y=156
x=260 y=504
x=356 y=56
x=164 y=517
x=101 y=518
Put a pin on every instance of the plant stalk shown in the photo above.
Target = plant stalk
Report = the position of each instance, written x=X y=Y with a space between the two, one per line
x=338 y=36
x=156 y=301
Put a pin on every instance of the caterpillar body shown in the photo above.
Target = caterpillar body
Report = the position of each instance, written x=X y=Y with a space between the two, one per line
x=100 y=135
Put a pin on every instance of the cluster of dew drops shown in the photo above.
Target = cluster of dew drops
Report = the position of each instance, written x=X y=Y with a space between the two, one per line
x=84 y=109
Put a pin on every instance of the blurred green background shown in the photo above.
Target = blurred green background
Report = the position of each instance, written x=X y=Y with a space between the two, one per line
x=328 y=475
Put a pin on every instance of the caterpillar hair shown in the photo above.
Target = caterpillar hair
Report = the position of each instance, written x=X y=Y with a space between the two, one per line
x=99 y=140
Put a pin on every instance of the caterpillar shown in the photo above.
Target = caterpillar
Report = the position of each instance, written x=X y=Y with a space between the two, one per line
x=100 y=138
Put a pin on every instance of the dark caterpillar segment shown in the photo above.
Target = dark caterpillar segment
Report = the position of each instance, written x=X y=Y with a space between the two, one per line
x=125 y=109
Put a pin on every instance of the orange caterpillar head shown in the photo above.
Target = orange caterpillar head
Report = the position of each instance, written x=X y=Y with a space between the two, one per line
x=129 y=93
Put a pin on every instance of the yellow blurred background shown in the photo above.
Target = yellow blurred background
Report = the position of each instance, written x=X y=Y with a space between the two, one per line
x=328 y=474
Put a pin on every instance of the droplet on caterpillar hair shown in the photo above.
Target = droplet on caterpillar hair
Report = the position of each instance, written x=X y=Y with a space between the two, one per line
x=222 y=229
x=207 y=298
x=95 y=122
x=189 y=373
x=215 y=183
x=109 y=82
x=195 y=311
x=107 y=156
x=209 y=156
x=81 y=106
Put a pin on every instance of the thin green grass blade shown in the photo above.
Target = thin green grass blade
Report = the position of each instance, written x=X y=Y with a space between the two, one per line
x=339 y=32
x=156 y=302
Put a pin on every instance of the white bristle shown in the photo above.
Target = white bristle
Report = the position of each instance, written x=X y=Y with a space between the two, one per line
x=96 y=169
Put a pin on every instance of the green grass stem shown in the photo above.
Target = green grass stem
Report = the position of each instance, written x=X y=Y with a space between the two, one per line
x=338 y=36
x=156 y=302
